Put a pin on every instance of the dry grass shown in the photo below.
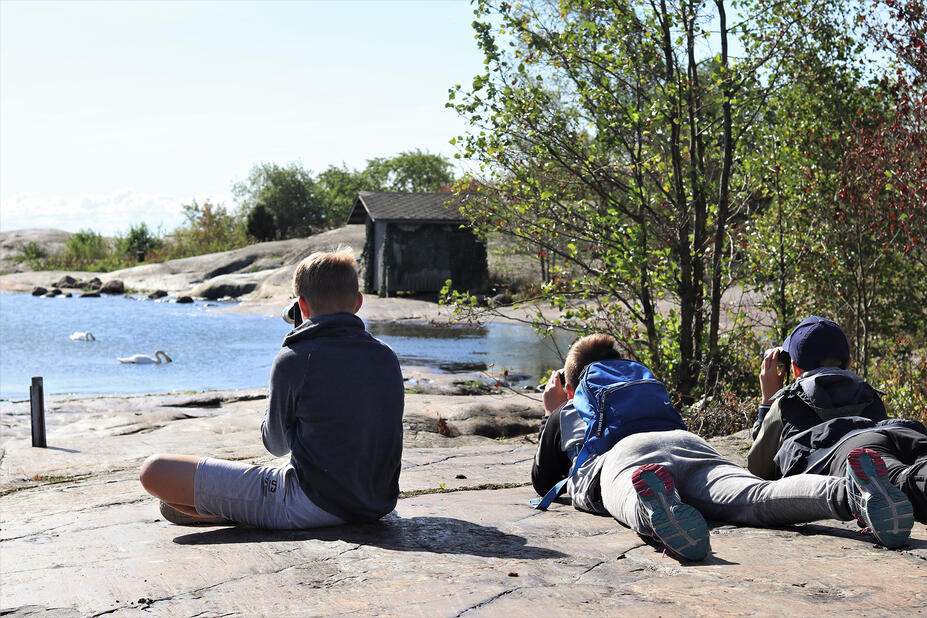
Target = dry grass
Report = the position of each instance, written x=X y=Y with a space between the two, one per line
x=721 y=415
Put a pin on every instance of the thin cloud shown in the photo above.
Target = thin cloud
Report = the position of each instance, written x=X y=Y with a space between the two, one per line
x=106 y=214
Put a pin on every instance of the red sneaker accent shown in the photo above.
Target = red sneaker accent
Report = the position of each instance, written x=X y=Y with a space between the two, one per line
x=659 y=471
x=877 y=462
x=854 y=463
x=640 y=485
x=666 y=477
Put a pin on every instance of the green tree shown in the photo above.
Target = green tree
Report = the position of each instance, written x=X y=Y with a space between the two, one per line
x=208 y=228
x=338 y=186
x=618 y=148
x=138 y=242
x=288 y=195
x=260 y=224
x=843 y=235
x=411 y=171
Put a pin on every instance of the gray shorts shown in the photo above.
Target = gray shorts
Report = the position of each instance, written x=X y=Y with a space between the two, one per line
x=262 y=496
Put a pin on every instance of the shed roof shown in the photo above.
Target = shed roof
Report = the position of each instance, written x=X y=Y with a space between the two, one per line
x=419 y=207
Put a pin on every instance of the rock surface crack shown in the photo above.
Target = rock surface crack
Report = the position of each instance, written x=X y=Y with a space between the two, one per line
x=486 y=602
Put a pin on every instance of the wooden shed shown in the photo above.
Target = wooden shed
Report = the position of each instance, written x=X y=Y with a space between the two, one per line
x=415 y=242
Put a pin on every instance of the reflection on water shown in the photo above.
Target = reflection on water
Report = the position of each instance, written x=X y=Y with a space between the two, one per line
x=492 y=348
x=420 y=330
x=217 y=350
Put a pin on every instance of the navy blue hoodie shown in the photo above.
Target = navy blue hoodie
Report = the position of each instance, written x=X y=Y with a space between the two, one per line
x=335 y=402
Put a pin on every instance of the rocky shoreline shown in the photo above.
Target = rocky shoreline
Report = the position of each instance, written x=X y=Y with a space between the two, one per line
x=259 y=276
x=260 y=271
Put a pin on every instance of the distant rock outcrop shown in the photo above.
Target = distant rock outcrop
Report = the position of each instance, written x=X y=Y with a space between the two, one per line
x=13 y=243
x=228 y=285
x=263 y=270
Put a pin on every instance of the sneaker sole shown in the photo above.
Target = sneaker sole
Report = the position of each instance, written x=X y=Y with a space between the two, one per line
x=889 y=514
x=677 y=525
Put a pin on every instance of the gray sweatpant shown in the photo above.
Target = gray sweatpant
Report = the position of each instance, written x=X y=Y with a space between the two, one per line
x=718 y=488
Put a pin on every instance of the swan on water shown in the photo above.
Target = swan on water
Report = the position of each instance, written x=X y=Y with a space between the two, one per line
x=79 y=336
x=144 y=359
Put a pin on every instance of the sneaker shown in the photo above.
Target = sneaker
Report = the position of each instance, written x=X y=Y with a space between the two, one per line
x=680 y=527
x=184 y=519
x=875 y=503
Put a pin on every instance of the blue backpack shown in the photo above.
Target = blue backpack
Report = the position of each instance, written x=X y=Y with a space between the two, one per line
x=616 y=398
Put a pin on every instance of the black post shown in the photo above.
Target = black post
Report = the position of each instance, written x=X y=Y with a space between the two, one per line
x=37 y=399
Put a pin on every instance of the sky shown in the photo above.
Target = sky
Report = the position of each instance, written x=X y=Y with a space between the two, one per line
x=117 y=113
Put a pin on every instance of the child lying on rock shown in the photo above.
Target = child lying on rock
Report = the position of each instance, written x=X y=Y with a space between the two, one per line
x=652 y=475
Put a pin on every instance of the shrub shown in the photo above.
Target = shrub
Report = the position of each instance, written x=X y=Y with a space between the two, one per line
x=903 y=379
x=86 y=249
x=138 y=242
x=32 y=253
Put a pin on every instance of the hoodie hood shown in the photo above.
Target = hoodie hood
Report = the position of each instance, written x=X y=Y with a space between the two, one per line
x=327 y=325
x=833 y=392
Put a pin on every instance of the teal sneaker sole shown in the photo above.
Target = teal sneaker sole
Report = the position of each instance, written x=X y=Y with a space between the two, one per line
x=888 y=513
x=680 y=527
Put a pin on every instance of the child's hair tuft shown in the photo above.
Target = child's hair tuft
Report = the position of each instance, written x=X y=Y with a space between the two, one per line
x=588 y=350
x=328 y=280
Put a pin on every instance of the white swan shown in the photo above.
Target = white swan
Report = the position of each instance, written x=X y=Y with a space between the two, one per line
x=144 y=359
x=80 y=336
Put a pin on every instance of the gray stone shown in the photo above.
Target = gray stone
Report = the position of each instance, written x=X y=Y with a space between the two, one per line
x=89 y=294
x=500 y=300
x=183 y=300
x=113 y=286
x=157 y=294
x=39 y=291
x=66 y=281
x=227 y=285
x=230 y=267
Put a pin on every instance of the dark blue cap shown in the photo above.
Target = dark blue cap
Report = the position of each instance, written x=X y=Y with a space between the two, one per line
x=815 y=340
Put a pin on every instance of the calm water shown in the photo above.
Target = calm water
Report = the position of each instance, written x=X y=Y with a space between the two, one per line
x=210 y=350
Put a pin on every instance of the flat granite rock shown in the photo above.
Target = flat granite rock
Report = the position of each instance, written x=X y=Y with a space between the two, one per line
x=79 y=536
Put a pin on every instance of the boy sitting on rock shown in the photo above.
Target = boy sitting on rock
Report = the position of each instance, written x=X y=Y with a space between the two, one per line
x=335 y=403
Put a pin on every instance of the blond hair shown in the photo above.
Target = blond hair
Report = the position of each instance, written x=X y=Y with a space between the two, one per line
x=328 y=281
x=588 y=350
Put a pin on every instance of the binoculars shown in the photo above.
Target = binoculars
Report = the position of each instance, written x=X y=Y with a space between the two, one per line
x=292 y=314
x=783 y=360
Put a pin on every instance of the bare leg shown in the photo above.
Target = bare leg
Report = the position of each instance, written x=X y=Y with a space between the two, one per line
x=170 y=479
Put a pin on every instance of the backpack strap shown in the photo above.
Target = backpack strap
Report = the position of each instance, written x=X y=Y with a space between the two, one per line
x=542 y=503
